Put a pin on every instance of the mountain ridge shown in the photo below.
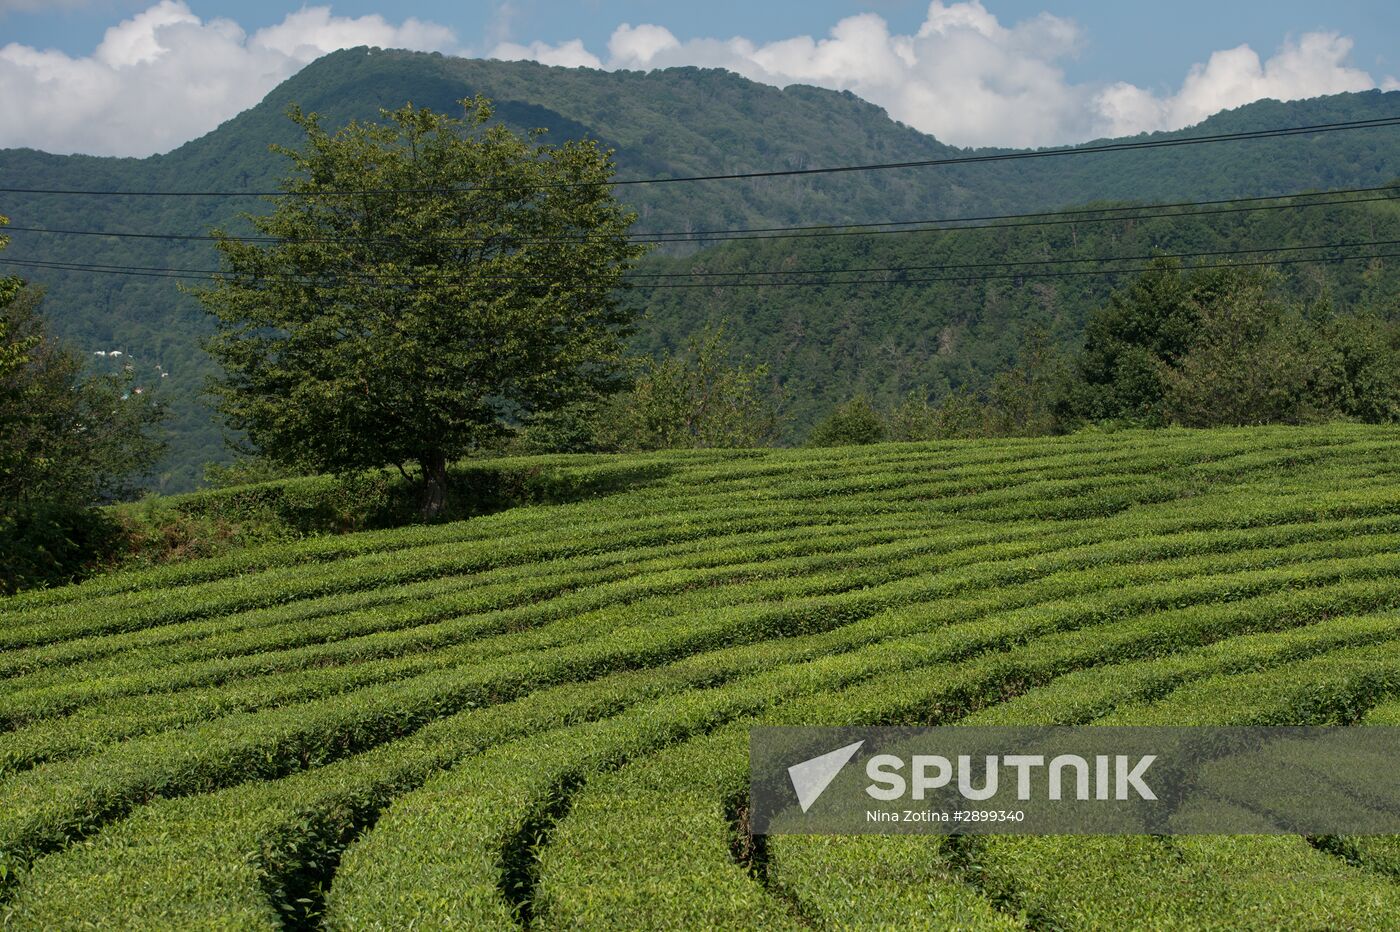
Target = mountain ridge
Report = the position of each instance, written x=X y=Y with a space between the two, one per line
x=681 y=121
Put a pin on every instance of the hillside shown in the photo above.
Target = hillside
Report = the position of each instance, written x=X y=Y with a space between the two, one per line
x=678 y=121
x=540 y=717
x=906 y=333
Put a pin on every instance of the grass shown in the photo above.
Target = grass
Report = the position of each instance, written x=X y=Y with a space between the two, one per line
x=538 y=716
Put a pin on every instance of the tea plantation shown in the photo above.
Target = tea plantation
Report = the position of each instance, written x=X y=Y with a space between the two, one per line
x=539 y=717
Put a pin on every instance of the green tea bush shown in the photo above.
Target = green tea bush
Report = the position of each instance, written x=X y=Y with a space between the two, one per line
x=539 y=714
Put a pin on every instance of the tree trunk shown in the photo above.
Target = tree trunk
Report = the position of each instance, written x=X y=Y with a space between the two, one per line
x=433 y=497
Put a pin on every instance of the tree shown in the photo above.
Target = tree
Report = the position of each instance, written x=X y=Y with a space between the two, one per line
x=1025 y=400
x=853 y=423
x=1130 y=343
x=14 y=355
x=424 y=282
x=1355 y=364
x=67 y=438
x=958 y=415
x=1247 y=363
x=702 y=397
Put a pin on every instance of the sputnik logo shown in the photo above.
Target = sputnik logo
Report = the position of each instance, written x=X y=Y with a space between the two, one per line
x=811 y=777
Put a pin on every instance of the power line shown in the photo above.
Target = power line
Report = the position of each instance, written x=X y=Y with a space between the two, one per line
x=1320 y=260
x=1053 y=220
x=335 y=280
x=1018 y=262
x=1045 y=153
x=1174 y=142
x=81 y=266
x=932 y=225
x=1039 y=213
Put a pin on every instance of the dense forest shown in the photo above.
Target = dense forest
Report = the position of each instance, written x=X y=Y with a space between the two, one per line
x=822 y=344
x=904 y=333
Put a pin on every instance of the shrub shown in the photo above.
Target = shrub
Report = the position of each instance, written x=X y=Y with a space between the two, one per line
x=854 y=423
x=47 y=545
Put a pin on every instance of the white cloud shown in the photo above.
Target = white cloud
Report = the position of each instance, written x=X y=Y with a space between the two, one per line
x=569 y=54
x=1313 y=65
x=312 y=32
x=502 y=21
x=165 y=76
x=970 y=79
x=640 y=44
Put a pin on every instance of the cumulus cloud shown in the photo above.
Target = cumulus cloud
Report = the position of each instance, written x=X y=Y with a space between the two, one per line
x=970 y=79
x=165 y=76
x=1313 y=65
x=569 y=54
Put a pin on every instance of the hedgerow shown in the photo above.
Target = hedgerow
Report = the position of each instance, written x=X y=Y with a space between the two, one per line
x=540 y=714
x=1209 y=881
x=109 y=719
x=624 y=817
x=946 y=641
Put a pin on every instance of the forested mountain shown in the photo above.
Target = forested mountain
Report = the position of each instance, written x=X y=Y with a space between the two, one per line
x=823 y=343
x=900 y=332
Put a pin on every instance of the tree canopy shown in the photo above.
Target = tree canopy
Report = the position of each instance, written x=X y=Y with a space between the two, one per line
x=1231 y=346
x=823 y=346
x=424 y=282
x=69 y=439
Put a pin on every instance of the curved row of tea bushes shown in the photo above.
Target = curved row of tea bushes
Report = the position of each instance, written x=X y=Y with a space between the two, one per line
x=540 y=715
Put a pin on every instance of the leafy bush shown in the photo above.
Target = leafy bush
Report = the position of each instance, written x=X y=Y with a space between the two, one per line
x=854 y=423
x=700 y=398
x=542 y=714
x=47 y=545
x=202 y=524
x=1230 y=347
x=958 y=416
x=70 y=437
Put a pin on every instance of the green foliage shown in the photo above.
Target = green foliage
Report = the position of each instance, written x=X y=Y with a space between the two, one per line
x=1354 y=365
x=1230 y=347
x=1321 y=673
x=1131 y=342
x=1244 y=364
x=827 y=345
x=1025 y=400
x=245 y=470
x=488 y=721
x=68 y=439
x=958 y=416
x=692 y=400
x=383 y=328
x=202 y=524
x=853 y=423
x=44 y=544
x=823 y=345
x=573 y=428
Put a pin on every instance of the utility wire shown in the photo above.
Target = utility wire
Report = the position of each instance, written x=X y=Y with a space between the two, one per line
x=1052 y=220
x=780 y=173
x=336 y=280
x=1012 y=263
x=367 y=276
x=1039 y=213
x=933 y=225
x=1320 y=260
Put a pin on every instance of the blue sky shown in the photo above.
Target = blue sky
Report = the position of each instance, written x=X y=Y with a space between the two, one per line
x=973 y=72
